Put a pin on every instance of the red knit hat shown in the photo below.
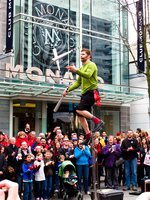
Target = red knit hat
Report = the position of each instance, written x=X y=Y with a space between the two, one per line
x=118 y=133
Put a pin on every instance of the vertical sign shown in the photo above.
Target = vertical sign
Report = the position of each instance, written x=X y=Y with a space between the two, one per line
x=140 y=34
x=9 y=26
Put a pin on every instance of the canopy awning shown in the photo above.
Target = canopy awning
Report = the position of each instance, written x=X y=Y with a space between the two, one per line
x=22 y=89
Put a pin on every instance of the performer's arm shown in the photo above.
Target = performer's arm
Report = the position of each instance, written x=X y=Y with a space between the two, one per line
x=73 y=87
x=89 y=72
x=76 y=84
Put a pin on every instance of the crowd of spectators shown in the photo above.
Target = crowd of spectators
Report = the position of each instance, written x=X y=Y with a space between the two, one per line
x=33 y=160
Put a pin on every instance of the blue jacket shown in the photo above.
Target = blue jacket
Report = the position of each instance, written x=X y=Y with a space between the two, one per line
x=110 y=158
x=26 y=172
x=82 y=156
x=33 y=146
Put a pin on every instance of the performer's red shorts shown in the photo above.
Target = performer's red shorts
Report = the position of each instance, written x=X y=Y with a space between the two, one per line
x=87 y=100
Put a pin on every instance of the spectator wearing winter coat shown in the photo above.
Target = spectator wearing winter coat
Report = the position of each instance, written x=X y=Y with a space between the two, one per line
x=10 y=152
x=21 y=138
x=2 y=139
x=130 y=147
x=18 y=159
x=39 y=176
x=3 y=166
x=82 y=154
x=111 y=153
x=28 y=168
x=48 y=170
x=31 y=138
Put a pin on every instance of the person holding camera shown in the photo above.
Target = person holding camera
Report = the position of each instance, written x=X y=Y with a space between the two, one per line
x=82 y=154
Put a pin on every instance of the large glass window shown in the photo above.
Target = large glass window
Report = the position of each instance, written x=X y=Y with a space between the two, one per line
x=44 y=25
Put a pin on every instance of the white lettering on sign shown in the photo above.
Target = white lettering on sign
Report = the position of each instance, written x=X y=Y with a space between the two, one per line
x=38 y=75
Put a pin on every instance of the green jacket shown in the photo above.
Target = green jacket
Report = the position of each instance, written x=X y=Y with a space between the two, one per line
x=87 y=78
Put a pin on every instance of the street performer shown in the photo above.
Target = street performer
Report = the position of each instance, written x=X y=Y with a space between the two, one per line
x=87 y=79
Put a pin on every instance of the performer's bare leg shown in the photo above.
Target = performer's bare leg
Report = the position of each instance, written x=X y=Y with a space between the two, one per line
x=84 y=124
x=86 y=114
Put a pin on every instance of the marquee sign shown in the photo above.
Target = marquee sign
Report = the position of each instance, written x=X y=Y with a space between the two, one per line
x=49 y=76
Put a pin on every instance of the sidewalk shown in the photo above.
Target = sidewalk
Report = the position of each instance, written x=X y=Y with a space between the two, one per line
x=126 y=196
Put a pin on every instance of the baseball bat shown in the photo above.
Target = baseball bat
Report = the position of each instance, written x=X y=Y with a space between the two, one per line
x=59 y=103
x=64 y=54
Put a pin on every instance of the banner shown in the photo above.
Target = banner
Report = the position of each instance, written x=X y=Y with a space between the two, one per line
x=140 y=33
x=9 y=26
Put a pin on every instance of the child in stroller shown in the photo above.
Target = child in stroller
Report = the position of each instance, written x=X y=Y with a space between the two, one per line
x=68 y=181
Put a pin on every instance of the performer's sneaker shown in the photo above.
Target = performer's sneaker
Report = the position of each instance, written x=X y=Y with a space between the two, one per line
x=98 y=126
x=85 y=142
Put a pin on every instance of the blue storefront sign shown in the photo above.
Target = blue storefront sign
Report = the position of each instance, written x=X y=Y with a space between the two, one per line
x=9 y=26
x=140 y=35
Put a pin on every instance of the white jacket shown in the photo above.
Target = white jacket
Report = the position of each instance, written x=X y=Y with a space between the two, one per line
x=39 y=175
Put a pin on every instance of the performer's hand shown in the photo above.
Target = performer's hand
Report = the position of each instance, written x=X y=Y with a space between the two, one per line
x=72 y=68
x=65 y=92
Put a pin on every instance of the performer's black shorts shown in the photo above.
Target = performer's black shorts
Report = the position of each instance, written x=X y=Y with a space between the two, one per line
x=87 y=100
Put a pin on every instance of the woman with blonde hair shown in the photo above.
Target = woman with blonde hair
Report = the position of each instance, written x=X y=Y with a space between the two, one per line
x=142 y=134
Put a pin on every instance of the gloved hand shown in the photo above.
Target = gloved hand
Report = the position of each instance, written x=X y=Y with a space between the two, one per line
x=32 y=167
x=97 y=98
x=35 y=167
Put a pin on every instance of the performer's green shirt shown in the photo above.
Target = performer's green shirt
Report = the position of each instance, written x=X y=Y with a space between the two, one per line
x=87 y=78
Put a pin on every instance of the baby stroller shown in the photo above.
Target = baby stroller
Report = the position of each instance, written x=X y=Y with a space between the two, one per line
x=69 y=182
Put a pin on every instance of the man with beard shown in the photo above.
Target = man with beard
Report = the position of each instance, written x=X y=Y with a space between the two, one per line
x=130 y=147
x=87 y=79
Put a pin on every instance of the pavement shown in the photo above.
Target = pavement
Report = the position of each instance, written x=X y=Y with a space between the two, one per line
x=126 y=195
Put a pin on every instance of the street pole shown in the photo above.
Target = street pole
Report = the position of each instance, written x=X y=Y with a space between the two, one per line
x=94 y=163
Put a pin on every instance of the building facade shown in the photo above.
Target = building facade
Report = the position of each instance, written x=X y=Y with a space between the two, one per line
x=139 y=110
x=31 y=84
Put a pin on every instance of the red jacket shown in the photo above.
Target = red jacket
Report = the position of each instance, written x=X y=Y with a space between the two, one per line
x=31 y=141
x=2 y=143
x=19 y=140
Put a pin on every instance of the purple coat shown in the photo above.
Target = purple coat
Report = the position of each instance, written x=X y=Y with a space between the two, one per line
x=109 y=157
